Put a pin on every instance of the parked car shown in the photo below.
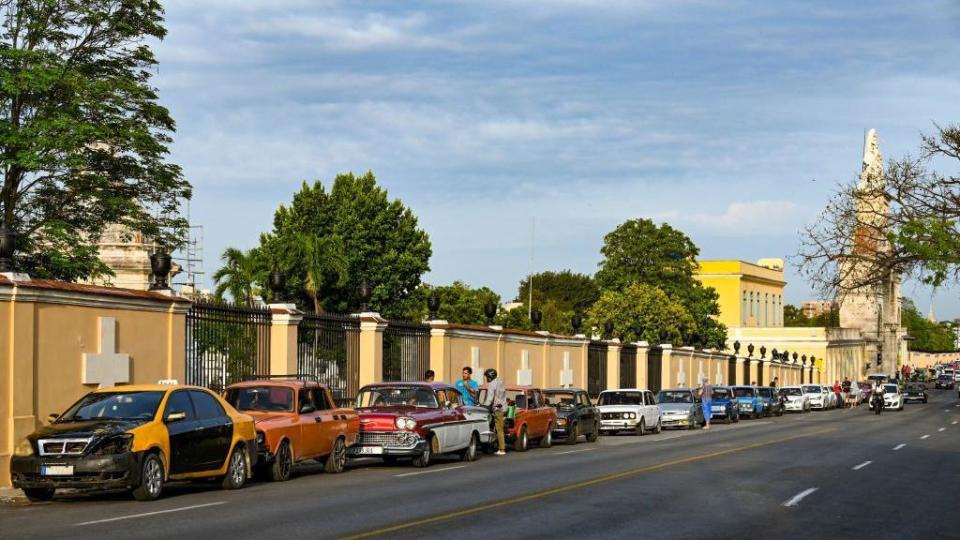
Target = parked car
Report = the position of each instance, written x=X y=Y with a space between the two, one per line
x=724 y=404
x=865 y=389
x=137 y=438
x=418 y=420
x=748 y=399
x=629 y=409
x=296 y=420
x=944 y=382
x=532 y=419
x=795 y=399
x=816 y=395
x=829 y=397
x=915 y=392
x=772 y=401
x=576 y=414
x=679 y=408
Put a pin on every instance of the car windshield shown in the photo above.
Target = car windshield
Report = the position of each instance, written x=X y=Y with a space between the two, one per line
x=766 y=392
x=393 y=396
x=720 y=393
x=114 y=406
x=889 y=389
x=261 y=398
x=743 y=392
x=790 y=392
x=621 y=398
x=812 y=390
x=561 y=399
x=674 y=396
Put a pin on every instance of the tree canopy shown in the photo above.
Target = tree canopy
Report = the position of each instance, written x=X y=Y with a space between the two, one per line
x=83 y=138
x=641 y=312
x=568 y=290
x=928 y=336
x=459 y=303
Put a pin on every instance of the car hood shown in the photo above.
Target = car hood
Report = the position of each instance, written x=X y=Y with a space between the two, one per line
x=84 y=429
x=565 y=412
x=676 y=407
x=265 y=417
x=382 y=418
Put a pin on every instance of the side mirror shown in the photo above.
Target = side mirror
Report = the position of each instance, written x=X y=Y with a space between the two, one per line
x=52 y=417
x=175 y=416
x=307 y=408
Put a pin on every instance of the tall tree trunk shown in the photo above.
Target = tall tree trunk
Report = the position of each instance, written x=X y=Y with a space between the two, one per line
x=317 y=308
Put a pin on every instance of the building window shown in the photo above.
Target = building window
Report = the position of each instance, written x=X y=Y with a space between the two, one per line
x=766 y=309
x=743 y=310
x=780 y=310
x=751 y=304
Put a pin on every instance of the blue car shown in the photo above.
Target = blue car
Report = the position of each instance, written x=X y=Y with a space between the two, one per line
x=724 y=405
x=750 y=404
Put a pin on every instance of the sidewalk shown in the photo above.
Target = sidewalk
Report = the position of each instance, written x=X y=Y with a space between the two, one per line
x=10 y=495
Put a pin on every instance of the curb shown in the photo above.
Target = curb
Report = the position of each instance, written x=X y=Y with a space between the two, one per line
x=12 y=496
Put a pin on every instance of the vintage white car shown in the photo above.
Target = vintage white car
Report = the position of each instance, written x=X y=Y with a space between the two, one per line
x=632 y=409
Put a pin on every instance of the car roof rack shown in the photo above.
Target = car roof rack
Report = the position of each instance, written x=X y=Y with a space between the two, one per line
x=293 y=376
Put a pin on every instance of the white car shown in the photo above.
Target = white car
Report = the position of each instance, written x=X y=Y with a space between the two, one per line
x=818 y=399
x=631 y=409
x=832 y=401
x=794 y=399
x=892 y=398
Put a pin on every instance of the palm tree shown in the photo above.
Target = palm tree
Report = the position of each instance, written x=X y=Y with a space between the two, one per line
x=324 y=258
x=239 y=275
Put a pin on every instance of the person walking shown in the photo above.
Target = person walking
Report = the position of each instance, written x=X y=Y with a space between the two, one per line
x=496 y=402
x=775 y=383
x=706 y=396
x=468 y=387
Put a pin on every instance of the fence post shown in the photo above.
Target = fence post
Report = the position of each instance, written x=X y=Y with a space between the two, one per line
x=643 y=350
x=284 y=319
x=665 y=370
x=613 y=363
x=440 y=350
x=371 y=347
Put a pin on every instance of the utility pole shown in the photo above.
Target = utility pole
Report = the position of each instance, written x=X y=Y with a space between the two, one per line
x=533 y=236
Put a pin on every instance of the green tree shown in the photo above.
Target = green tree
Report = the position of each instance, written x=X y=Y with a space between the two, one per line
x=459 y=303
x=241 y=275
x=793 y=316
x=568 y=290
x=83 y=138
x=927 y=336
x=378 y=238
x=641 y=312
x=325 y=264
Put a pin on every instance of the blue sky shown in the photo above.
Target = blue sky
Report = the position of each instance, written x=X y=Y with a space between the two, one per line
x=732 y=120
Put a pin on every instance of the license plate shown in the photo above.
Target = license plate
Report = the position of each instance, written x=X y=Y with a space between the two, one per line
x=56 y=470
x=368 y=450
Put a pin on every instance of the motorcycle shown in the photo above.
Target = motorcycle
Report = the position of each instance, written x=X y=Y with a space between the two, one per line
x=876 y=403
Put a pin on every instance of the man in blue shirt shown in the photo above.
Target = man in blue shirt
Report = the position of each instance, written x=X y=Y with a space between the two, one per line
x=468 y=387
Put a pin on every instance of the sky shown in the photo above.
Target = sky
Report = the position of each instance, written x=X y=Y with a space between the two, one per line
x=733 y=121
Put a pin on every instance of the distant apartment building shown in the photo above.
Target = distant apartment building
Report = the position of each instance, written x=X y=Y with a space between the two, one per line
x=814 y=308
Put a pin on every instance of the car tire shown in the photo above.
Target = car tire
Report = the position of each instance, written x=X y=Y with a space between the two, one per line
x=282 y=467
x=423 y=460
x=659 y=427
x=337 y=460
x=236 y=475
x=151 y=479
x=522 y=443
x=574 y=435
x=39 y=494
x=641 y=428
x=594 y=435
x=547 y=440
x=470 y=452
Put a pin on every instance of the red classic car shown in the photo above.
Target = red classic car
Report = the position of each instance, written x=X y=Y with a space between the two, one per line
x=295 y=420
x=533 y=418
x=418 y=420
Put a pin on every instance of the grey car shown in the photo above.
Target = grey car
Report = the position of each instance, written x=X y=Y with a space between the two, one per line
x=680 y=408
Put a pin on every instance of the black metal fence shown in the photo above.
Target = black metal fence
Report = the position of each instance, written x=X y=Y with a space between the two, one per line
x=406 y=351
x=732 y=370
x=628 y=366
x=226 y=344
x=596 y=368
x=328 y=347
x=654 y=369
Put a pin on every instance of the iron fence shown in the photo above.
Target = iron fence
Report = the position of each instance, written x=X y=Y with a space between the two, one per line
x=596 y=368
x=628 y=366
x=226 y=344
x=328 y=348
x=654 y=369
x=406 y=351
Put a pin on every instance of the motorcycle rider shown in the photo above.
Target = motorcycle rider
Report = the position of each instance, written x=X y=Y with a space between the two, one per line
x=496 y=401
x=877 y=396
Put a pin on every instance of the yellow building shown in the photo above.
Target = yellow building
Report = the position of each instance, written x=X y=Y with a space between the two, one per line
x=751 y=295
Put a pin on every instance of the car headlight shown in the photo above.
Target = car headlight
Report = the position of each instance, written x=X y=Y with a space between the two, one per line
x=405 y=422
x=24 y=449
x=633 y=416
x=117 y=444
x=561 y=421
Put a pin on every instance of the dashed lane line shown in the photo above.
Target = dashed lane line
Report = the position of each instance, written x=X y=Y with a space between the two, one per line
x=431 y=471
x=925 y=437
x=899 y=446
x=942 y=429
x=953 y=423
x=147 y=514
x=795 y=500
x=862 y=465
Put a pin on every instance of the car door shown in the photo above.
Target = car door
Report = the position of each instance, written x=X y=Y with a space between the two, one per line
x=216 y=431
x=309 y=425
x=585 y=413
x=446 y=430
x=652 y=410
x=184 y=435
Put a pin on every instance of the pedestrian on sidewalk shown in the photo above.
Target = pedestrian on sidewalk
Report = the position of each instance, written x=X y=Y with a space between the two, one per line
x=706 y=396
x=496 y=402
x=468 y=387
x=429 y=375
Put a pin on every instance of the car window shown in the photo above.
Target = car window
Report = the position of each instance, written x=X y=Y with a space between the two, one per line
x=206 y=405
x=320 y=398
x=620 y=398
x=179 y=401
x=651 y=400
x=306 y=398
x=585 y=400
x=534 y=400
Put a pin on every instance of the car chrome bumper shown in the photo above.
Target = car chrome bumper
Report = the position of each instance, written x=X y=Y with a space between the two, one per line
x=613 y=425
x=100 y=472
x=675 y=422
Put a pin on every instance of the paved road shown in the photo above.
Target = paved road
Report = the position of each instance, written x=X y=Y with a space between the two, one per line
x=897 y=473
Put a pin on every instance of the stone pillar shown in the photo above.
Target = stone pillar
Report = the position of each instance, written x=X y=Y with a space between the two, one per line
x=283 y=338
x=754 y=369
x=665 y=366
x=741 y=361
x=613 y=363
x=643 y=350
x=440 y=350
x=371 y=347
x=17 y=358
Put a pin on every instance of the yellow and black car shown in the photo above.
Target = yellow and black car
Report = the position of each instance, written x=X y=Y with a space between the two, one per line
x=137 y=438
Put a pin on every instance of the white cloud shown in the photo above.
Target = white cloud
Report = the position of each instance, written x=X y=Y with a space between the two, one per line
x=749 y=218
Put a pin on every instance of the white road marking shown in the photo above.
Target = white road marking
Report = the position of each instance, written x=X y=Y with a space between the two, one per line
x=575 y=451
x=899 y=446
x=147 y=514
x=942 y=429
x=925 y=437
x=862 y=465
x=799 y=497
x=953 y=423
x=431 y=471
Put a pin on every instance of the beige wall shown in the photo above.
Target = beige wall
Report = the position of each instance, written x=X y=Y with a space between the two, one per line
x=46 y=327
x=839 y=352
x=924 y=360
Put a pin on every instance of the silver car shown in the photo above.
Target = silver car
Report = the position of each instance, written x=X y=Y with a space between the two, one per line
x=680 y=408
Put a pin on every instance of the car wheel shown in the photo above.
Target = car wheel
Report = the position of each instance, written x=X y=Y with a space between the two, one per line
x=39 y=494
x=337 y=460
x=641 y=428
x=594 y=435
x=574 y=434
x=547 y=440
x=151 y=479
x=659 y=427
x=470 y=452
x=236 y=470
x=282 y=466
x=520 y=445
x=423 y=460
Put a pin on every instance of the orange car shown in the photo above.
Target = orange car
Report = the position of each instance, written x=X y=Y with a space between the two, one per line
x=533 y=418
x=295 y=420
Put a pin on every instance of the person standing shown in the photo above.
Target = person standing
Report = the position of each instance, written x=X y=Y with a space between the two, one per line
x=468 y=387
x=706 y=396
x=775 y=383
x=429 y=375
x=496 y=402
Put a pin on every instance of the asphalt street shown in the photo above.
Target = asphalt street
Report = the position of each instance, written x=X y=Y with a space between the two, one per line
x=836 y=474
